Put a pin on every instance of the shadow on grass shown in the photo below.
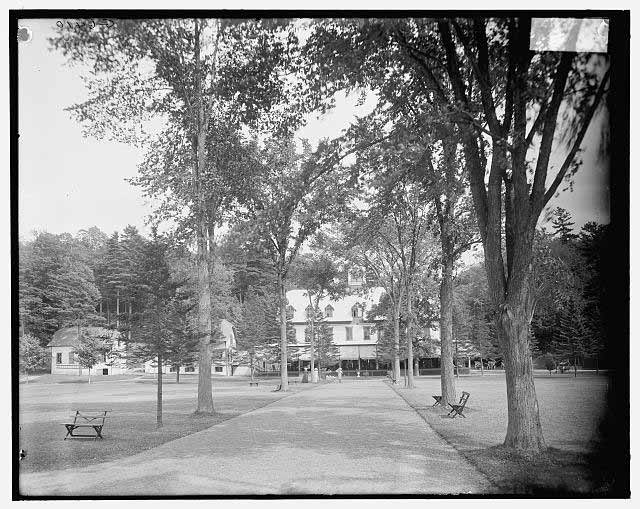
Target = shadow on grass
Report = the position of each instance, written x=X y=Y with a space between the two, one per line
x=130 y=429
x=556 y=472
x=553 y=473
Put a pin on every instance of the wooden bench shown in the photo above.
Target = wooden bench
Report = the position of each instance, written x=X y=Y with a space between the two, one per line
x=279 y=386
x=438 y=400
x=393 y=380
x=91 y=419
x=457 y=409
x=251 y=384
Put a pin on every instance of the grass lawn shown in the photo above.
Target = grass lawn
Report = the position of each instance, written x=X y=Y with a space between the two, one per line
x=46 y=403
x=570 y=411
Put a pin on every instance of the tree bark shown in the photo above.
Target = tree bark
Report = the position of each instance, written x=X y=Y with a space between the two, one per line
x=177 y=374
x=284 y=377
x=159 y=395
x=409 y=370
x=200 y=118
x=118 y=309
x=524 y=431
x=205 y=396
x=396 y=342
x=447 y=382
x=312 y=336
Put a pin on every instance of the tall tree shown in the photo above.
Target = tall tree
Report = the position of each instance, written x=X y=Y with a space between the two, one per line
x=292 y=196
x=480 y=76
x=196 y=75
x=371 y=242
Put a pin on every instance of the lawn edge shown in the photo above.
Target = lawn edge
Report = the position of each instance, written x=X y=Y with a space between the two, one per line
x=499 y=489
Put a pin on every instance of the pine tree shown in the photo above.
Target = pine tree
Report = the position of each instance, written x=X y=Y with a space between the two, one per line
x=160 y=327
x=327 y=351
x=258 y=326
x=569 y=342
x=563 y=225
x=113 y=276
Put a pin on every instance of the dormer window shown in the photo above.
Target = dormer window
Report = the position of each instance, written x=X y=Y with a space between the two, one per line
x=355 y=278
x=356 y=311
x=328 y=311
x=309 y=312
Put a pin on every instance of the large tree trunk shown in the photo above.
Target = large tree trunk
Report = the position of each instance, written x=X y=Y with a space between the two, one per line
x=118 y=309
x=200 y=120
x=410 y=384
x=312 y=339
x=177 y=374
x=284 y=378
x=205 y=396
x=524 y=431
x=159 y=395
x=396 y=342
x=447 y=381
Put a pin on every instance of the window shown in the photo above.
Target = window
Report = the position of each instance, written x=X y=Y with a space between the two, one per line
x=349 y=331
x=309 y=312
x=72 y=358
x=59 y=358
x=172 y=369
x=189 y=369
x=356 y=311
x=367 y=333
x=218 y=369
x=328 y=311
x=355 y=278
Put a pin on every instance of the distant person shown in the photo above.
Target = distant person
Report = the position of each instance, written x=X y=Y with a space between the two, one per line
x=339 y=372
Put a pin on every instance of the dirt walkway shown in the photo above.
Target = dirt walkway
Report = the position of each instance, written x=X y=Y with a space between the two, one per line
x=349 y=438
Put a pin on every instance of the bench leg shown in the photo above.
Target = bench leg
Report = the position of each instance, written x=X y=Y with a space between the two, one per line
x=69 y=431
x=98 y=430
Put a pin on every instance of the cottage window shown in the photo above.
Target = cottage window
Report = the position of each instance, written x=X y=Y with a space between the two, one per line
x=218 y=369
x=59 y=358
x=367 y=333
x=328 y=311
x=349 y=331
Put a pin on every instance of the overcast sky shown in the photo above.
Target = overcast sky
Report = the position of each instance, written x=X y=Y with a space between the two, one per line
x=67 y=182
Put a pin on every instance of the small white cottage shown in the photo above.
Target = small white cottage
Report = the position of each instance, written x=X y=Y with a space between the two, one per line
x=63 y=356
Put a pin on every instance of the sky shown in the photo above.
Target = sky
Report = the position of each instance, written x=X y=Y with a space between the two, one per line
x=68 y=182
